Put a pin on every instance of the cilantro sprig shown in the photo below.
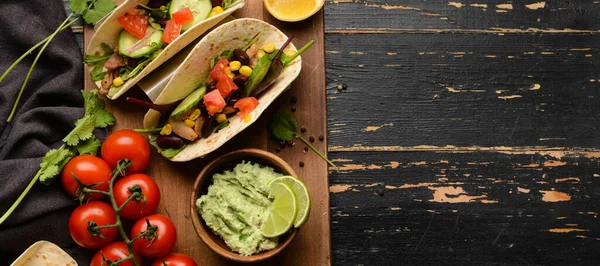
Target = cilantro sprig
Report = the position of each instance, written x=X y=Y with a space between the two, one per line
x=284 y=127
x=80 y=140
x=91 y=11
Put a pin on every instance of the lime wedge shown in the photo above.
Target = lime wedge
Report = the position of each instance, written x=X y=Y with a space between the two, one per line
x=282 y=215
x=302 y=197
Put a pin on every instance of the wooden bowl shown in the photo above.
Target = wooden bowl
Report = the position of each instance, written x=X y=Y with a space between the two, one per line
x=204 y=180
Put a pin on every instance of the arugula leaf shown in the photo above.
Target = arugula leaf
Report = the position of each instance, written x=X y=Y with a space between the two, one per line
x=53 y=163
x=83 y=130
x=283 y=126
x=89 y=146
x=100 y=9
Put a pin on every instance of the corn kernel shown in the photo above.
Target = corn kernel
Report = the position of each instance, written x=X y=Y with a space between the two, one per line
x=195 y=114
x=118 y=81
x=269 y=47
x=246 y=71
x=189 y=123
x=289 y=53
x=248 y=118
x=235 y=65
x=218 y=9
x=221 y=118
x=166 y=130
x=260 y=53
x=231 y=75
x=212 y=14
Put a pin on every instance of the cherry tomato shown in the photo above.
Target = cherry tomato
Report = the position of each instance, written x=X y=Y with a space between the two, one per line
x=134 y=24
x=246 y=105
x=172 y=31
x=126 y=144
x=164 y=240
x=113 y=252
x=183 y=16
x=89 y=170
x=97 y=212
x=136 y=209
x=175 y=259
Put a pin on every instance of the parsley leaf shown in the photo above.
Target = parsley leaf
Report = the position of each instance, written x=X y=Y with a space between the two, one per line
x=100 y=9
x=83 y=130
x=283 y=126
x=53 y=163
x=78 y=6
x=89 y=146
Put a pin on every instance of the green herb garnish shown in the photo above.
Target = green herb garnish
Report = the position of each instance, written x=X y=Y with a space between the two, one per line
x=81 y=140
x=284 y=126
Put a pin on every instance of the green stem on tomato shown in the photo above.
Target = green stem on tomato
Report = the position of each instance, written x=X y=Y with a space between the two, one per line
x=302 y=50
x=23 y=194
x=65 y=23
x=121 y=166
x=132 y=196
x=106 y=226
x=316 y=151
x=87 y=190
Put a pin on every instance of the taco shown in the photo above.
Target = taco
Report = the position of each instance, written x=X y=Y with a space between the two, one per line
x=140 y=35
x=222 y=87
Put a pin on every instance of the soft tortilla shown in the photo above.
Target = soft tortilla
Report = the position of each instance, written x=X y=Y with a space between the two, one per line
x=109 y=30
x=44 y=253
x=195 y=69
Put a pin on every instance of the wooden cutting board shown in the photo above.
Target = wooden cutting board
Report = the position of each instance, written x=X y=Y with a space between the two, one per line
x=312 y=245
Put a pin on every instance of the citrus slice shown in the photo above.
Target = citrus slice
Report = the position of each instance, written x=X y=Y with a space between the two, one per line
x=302 y=197
x=283 y=212
x=293 y=10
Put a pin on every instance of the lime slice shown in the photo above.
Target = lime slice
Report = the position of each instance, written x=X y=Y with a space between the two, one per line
x=281 y=217
x=302 y=197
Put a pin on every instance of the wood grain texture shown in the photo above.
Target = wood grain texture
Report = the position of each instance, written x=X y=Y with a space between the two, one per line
x=312 y=244
x=470 y=208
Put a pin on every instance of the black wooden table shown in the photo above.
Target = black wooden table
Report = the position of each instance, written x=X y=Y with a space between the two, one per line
x=465 y=132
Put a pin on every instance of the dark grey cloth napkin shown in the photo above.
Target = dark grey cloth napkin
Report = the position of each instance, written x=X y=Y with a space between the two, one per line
x=49 y=106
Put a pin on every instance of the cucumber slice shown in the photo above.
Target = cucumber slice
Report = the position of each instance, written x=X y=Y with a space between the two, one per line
x=145 y=47
x=200 y=9
x=189 y=101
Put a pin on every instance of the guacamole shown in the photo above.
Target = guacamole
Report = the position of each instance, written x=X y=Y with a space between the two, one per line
x=237 y=204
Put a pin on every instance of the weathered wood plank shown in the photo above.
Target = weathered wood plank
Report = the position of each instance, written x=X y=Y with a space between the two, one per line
x=463 y=90
x=429 y=208
x=459 y=15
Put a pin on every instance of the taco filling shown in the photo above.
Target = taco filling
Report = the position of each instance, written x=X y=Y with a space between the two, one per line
x=236 y=78
x=147 y=30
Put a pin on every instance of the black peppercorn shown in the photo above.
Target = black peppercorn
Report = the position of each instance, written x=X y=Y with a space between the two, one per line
x=321 y=137
x=293 y=109
x=311 y=139
x=293 y=99
x=301 y=164
x=303 y=129
x=278 y=149
x=291 y=143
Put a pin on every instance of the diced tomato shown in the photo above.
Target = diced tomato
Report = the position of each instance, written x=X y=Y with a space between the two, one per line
x=225 y=86
x=218 y=72
x=172 y=30
x=246 y=105
x=214 y=102
x=183 y=16
x=134 y=24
